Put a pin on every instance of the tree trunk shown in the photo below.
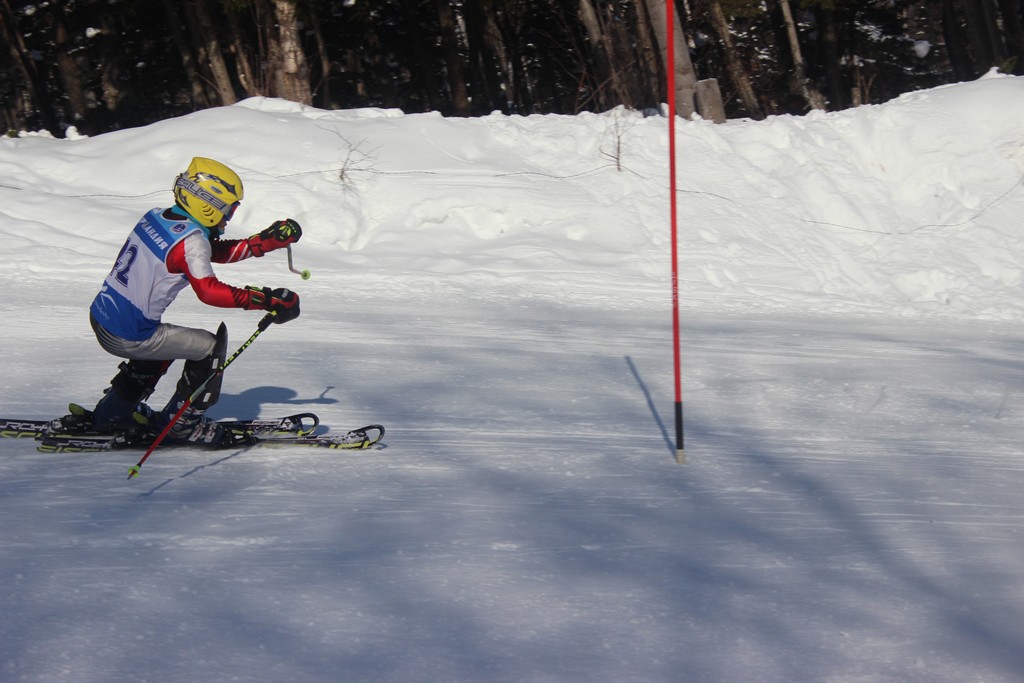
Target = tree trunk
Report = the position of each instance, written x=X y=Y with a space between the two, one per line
x=269 y=42
x=494 y=47
x=709 y=100
x=828 y=39
x=737 y=74
x=1013 y=28
x=620 y=31
x=983 y=28
x=252 y=84
x=484 y=59
x=456 y=73
x=510 y=24
x=956 y=46
x=604 y=76
x=647 y=56
x=323 y=86
x=800 y=83
x=993 y=33
x=70 y=74
x=188 y=62
x=685 y=76
x=215 y=60
x=118 y=98
x=197 y=32
x=292 y=72
x=34 y=85
x=421 y=67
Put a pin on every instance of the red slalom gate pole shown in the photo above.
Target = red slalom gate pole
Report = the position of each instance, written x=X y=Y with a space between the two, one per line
x=670 y=68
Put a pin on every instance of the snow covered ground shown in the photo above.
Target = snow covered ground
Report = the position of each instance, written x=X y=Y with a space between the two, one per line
x=496 y=291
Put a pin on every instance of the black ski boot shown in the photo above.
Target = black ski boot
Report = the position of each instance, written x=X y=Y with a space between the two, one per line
x=193 y=426
x=77 y=421
x=131 y=386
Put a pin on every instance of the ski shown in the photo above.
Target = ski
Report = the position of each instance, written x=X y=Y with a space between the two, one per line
x=300 y=424
x=354 y=440
x=14 y=428
x=357 y=439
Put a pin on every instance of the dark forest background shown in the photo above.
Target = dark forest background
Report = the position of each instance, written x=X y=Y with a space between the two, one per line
x=101 y=65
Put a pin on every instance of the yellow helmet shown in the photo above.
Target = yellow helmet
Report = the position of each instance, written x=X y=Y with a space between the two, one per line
x=209 y=191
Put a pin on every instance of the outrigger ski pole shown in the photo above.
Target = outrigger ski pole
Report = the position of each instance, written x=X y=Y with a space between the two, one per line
x=304 y=274
x=133 y=471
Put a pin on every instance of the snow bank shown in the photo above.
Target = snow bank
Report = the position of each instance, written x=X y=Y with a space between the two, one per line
x=905 y=208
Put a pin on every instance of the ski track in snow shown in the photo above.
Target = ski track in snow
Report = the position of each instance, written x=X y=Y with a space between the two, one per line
x=545 y=533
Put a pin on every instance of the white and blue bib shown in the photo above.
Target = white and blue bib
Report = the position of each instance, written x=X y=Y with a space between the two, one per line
x=139 y=288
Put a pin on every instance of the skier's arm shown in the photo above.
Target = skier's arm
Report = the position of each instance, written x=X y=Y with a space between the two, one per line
x=278 y=236
x=192 y=258
x=230 y=251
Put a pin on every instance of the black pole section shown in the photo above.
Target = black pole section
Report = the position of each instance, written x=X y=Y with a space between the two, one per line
x=680 y=453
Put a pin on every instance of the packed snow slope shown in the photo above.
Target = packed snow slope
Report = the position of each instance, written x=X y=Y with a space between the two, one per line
x=496 y=291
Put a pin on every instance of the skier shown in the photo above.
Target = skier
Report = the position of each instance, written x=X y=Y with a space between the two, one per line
x=167 y=250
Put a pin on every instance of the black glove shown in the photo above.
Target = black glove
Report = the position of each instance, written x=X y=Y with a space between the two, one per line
x=283 y=303
x=278 y=236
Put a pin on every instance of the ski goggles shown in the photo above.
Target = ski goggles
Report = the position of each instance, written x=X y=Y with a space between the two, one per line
x=199 y=192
